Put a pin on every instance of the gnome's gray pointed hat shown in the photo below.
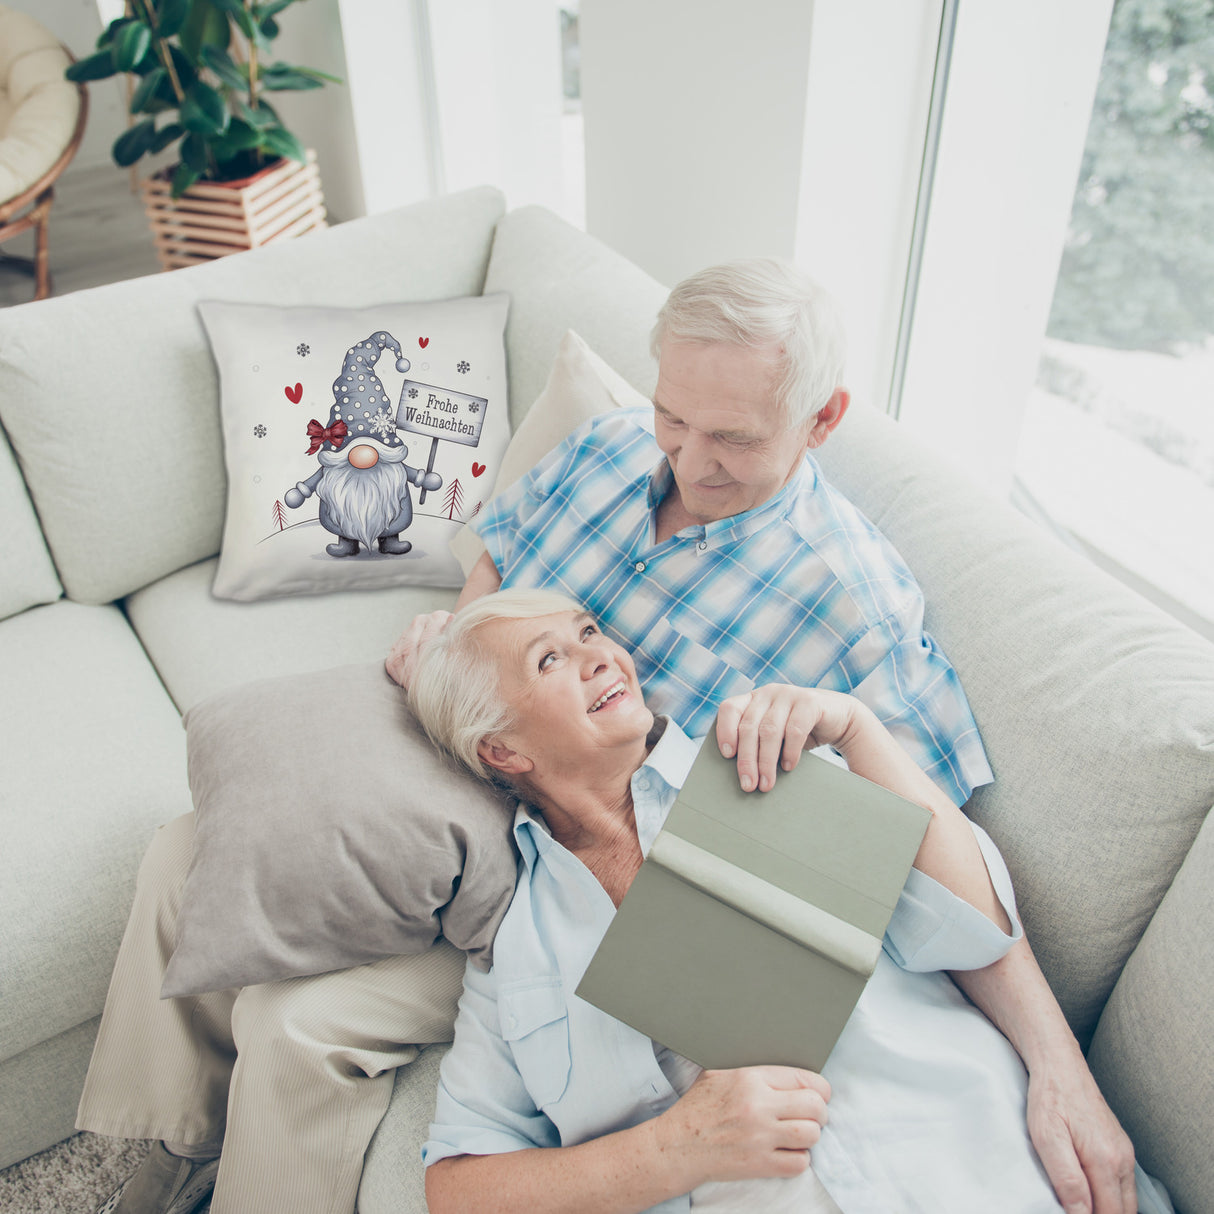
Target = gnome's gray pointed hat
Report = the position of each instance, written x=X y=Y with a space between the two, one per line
x=360 y=401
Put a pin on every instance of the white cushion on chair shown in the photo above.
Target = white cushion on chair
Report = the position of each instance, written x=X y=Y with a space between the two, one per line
x=38 y=105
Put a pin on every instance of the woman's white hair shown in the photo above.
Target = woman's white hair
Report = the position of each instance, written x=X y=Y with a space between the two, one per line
x=454 y=691
x=763 y=303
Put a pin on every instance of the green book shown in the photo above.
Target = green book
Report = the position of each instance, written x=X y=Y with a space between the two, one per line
x=757 y=918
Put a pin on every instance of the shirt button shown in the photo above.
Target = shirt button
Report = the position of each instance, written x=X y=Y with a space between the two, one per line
x=639 y=566
x=702 y=545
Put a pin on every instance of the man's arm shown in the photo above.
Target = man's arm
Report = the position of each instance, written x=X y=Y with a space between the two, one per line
x=1087 y=1155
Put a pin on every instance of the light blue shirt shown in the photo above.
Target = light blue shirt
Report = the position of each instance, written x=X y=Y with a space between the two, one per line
x=928 y=1107
x=802 y=589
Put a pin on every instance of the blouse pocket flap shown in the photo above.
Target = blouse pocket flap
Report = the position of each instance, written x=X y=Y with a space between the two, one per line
x=531 y=1005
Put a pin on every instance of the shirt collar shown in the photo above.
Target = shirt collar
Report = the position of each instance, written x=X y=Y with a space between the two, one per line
x=737 y=526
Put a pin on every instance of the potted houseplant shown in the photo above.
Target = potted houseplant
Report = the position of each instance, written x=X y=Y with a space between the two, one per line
x=201 y=71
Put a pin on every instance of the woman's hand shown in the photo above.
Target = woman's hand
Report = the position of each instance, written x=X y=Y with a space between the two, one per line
x=770 y=727
x=755 y=1121
x=401 y=661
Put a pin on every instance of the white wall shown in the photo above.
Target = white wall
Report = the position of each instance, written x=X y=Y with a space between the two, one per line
x=694 y=127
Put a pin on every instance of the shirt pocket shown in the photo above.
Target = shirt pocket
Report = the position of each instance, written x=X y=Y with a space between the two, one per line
x=535 y=1024
x=681 y=671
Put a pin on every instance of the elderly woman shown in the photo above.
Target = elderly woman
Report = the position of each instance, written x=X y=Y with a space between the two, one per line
x=547 y=1103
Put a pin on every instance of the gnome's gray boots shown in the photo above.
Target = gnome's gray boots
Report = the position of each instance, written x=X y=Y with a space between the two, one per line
x=344 y=547
x=393 y=545
x=164 y=1184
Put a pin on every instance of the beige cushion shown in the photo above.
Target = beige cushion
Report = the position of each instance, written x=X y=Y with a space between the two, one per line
x=94 y=761
x=29 y=575
x=119 y=437
x=1096 y=709
x=559 y=279
x=329 y=832
x=38 y=107
x=580 y=386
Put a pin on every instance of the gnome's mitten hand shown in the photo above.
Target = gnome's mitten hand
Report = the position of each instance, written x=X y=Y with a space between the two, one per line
x=431 y=481
x=295 y=497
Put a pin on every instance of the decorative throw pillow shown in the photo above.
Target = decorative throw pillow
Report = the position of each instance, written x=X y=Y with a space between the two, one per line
x=329 y=833
x=580 y=386
x=357 y=441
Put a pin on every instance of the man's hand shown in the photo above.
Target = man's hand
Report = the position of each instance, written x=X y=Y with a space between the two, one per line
x=400 y=662
x=750 y=1122
x=770 y=727
x=1087 y=1155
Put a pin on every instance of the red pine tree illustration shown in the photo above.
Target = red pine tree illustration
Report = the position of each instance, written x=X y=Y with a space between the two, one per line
x=280 y=516
x=454 y=498
x=476 y=509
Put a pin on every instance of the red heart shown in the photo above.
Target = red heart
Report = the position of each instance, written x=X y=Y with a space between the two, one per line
x=423 y=342
x=477 y=469
x=294 y=394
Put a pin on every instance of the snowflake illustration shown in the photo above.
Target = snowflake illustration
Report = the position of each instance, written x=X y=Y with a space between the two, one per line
x=412 y=392
x=260 y=431
x=463 y=368
x=383 y=423
x=303 y=349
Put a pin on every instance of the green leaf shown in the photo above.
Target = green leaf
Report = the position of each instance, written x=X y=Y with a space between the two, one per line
x=132 y=144
x=280 y=77
x=269 y=30
x=194 y=153
x=131 y=44
x=95 y=67
x=261 y=118
x=144 y=97
x=106 y=38
x=166 y=135
x=203 y=111
x=241 y=137
x=183 y=178
x=186 y=71
x=281 y=142
x=225 y=67
x=205 y=26
x=171 y=16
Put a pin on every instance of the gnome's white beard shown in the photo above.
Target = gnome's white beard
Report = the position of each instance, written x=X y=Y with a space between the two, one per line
x=363 y=501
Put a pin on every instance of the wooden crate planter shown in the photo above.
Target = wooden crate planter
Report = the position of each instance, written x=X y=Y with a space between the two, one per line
x=215 y=218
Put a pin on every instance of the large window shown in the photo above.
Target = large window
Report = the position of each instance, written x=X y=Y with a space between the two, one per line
x=1117 y=444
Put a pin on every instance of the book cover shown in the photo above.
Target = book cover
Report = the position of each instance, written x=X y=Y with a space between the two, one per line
x=755 y=921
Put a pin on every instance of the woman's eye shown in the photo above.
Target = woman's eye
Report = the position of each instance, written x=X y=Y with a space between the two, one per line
x=547 y=660
x=589 y=631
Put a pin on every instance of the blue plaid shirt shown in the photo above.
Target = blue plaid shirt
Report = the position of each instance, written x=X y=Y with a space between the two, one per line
x=802 y=589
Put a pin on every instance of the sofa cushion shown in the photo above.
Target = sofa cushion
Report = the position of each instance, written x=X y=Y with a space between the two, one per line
x=202 y=645
x=118 y=431
x=94 y=760
x=558 y=278
x=329 y=832
x=29 y=574
x=1152 y=1054
x=369 y=400
x=1097 y=710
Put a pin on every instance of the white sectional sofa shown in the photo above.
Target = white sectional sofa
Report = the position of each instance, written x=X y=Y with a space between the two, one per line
x=1097 y=711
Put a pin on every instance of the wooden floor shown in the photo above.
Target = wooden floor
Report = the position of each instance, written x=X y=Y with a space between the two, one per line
x=98 y=234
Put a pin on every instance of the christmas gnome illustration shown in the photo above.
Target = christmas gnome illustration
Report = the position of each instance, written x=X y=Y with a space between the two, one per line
x=363 y=481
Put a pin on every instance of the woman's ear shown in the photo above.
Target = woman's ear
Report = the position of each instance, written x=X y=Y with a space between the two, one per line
x=496 y=754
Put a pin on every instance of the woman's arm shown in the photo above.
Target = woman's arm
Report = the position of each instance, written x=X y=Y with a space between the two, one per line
x=730 y=1125
x=769 y=728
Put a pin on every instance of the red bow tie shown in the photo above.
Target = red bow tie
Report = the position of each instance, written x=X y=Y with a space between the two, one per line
x=335 y=434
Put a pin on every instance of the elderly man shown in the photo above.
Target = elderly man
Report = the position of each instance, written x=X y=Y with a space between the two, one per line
x=704 y=538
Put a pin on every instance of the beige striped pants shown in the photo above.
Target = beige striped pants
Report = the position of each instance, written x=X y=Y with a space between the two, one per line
x=293 y=1076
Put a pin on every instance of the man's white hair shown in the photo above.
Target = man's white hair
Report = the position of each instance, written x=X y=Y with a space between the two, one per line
x=762 y=303
x=454 y=691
